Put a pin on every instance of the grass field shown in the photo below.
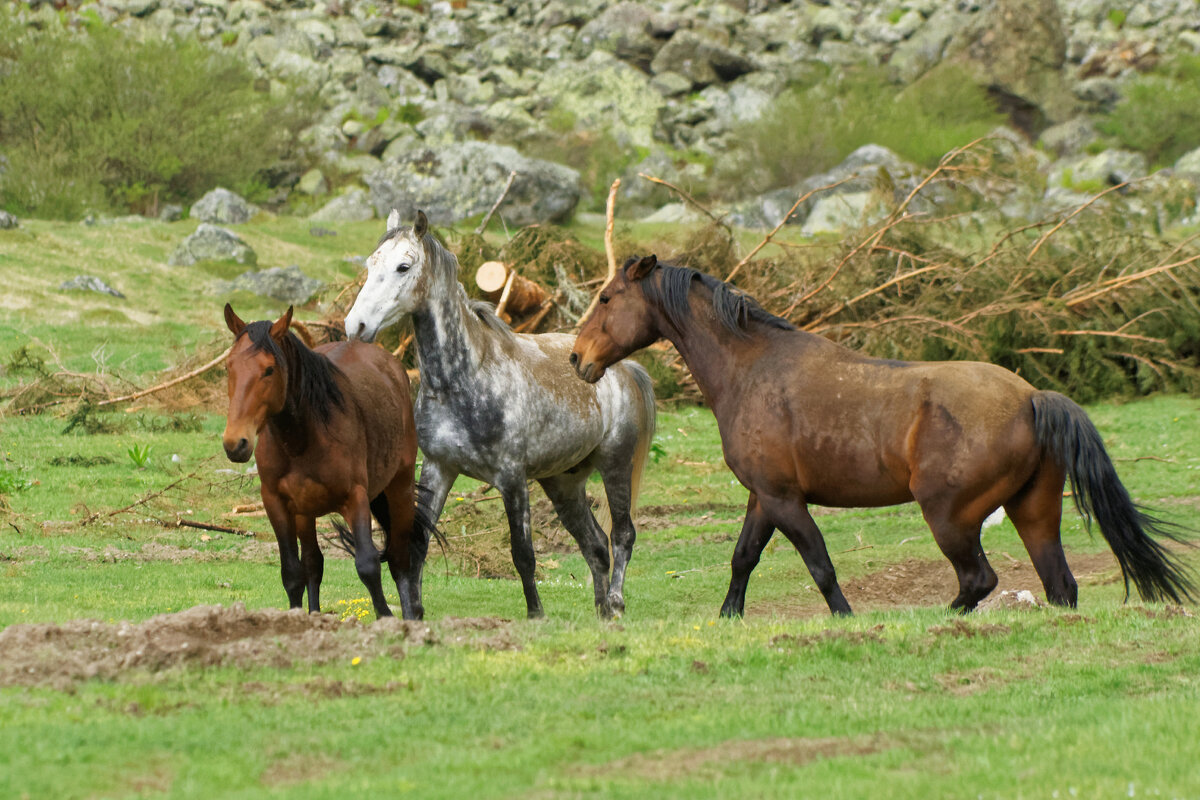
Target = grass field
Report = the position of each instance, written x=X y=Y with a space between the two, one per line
x=904 y=699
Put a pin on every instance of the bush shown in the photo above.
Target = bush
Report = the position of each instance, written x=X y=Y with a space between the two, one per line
x=811 y=129
x=1160 y=113
x=102 y=121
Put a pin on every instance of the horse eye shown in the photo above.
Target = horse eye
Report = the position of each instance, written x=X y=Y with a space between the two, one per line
x=269 y=371
x=403 y=268
x=603 y=299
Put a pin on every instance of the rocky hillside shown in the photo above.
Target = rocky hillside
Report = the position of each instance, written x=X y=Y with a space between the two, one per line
x=434 y=104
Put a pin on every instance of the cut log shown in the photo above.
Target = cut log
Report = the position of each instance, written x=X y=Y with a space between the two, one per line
x=523 y=295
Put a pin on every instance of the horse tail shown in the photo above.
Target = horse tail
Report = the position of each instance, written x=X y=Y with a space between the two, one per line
x=345 y=538
x=1064 y=431
x=422 y=525
x=647 y=421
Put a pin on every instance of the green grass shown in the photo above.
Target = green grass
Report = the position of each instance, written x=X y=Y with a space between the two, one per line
x=904 y=699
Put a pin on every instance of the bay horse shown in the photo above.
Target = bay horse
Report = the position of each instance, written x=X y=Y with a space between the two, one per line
x=805 y=420
x=332 y=431
x=504 y=408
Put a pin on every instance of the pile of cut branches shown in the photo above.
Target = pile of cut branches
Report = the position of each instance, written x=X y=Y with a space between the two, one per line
x=1090 y=302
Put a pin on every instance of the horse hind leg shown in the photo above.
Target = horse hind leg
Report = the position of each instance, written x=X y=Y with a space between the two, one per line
x=1036 y=511
x=958 y=540
x=407 y=543
x=366 y=555
x=568 y=493
x=618 y=491
x=312 y=560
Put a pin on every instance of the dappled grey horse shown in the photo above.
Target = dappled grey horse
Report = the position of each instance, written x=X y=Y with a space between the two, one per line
x=504 y=408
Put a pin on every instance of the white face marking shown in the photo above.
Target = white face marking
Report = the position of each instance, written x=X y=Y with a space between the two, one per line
x=395 y=280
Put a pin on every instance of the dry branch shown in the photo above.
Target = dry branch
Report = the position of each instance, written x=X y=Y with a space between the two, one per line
x=168 y=384
x=609 y=249
x=512 y=176
x=766 y=239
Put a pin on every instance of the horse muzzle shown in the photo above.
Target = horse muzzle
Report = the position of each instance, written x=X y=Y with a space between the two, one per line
x=589 y=371
x=239 y=450
x=357 y=329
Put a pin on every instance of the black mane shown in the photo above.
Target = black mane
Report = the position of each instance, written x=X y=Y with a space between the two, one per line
x=734 y=309
x=312 y=388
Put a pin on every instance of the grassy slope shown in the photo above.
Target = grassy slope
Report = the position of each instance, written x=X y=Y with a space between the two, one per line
x=669 y=701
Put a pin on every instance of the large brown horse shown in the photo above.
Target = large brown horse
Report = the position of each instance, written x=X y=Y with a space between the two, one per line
x=334 y=430
x=804 y=420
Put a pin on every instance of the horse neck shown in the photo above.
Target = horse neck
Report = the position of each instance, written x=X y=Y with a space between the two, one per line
x=716 y=356
x=451 y=340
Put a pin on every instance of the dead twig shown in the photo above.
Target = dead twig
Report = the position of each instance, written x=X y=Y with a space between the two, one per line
x=512 y=176
x=687 y=197
x=766 y=239
x=1042 y=239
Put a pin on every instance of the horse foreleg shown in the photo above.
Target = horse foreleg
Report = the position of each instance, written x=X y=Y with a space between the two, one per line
x=756 y=532
x=290 y=569
x=516 y=506
x=357 y=514
x=311 y=560
x=792 y=517
x=432 y=490
x=568 y=493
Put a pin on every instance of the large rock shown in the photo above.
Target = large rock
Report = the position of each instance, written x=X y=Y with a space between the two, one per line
x=602 y=93
x=223 y=207
x=625 y=30
x=89 y=283
x=287 y=284
x=8 y=221
x=868 y=169
x=211 y=243
x=701 y=60
x=461 y=180
x=353 y=206
x=1017 y=49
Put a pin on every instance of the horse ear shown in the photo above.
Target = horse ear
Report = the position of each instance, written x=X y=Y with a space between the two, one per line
x=280 y=326
x=641 y=268
x=421 y=225
x=236 y=326
x=393 y=220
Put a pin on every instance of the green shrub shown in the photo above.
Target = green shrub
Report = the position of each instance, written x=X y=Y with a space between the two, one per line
x=1160 y=113
x=103 y=121
x=811 y=129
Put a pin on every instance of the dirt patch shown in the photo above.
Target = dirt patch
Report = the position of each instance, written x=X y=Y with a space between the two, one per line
x=712 y=762
x=790 y=642
x=961 y=629
x=60 y=655
x=921 y=583
x=294 y=769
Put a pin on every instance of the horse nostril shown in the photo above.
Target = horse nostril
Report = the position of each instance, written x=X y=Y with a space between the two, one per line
x=243 y=444
x=574 y=359
x=361 y=327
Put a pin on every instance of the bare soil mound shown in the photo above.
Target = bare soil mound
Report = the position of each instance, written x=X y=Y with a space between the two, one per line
x=58 y=655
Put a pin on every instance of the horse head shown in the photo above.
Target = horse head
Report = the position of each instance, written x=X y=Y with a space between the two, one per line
x=398 y=279
x=257 y=380
x=622 y=322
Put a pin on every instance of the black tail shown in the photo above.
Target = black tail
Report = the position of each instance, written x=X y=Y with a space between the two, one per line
x=1063 y=428
x=423 y=530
